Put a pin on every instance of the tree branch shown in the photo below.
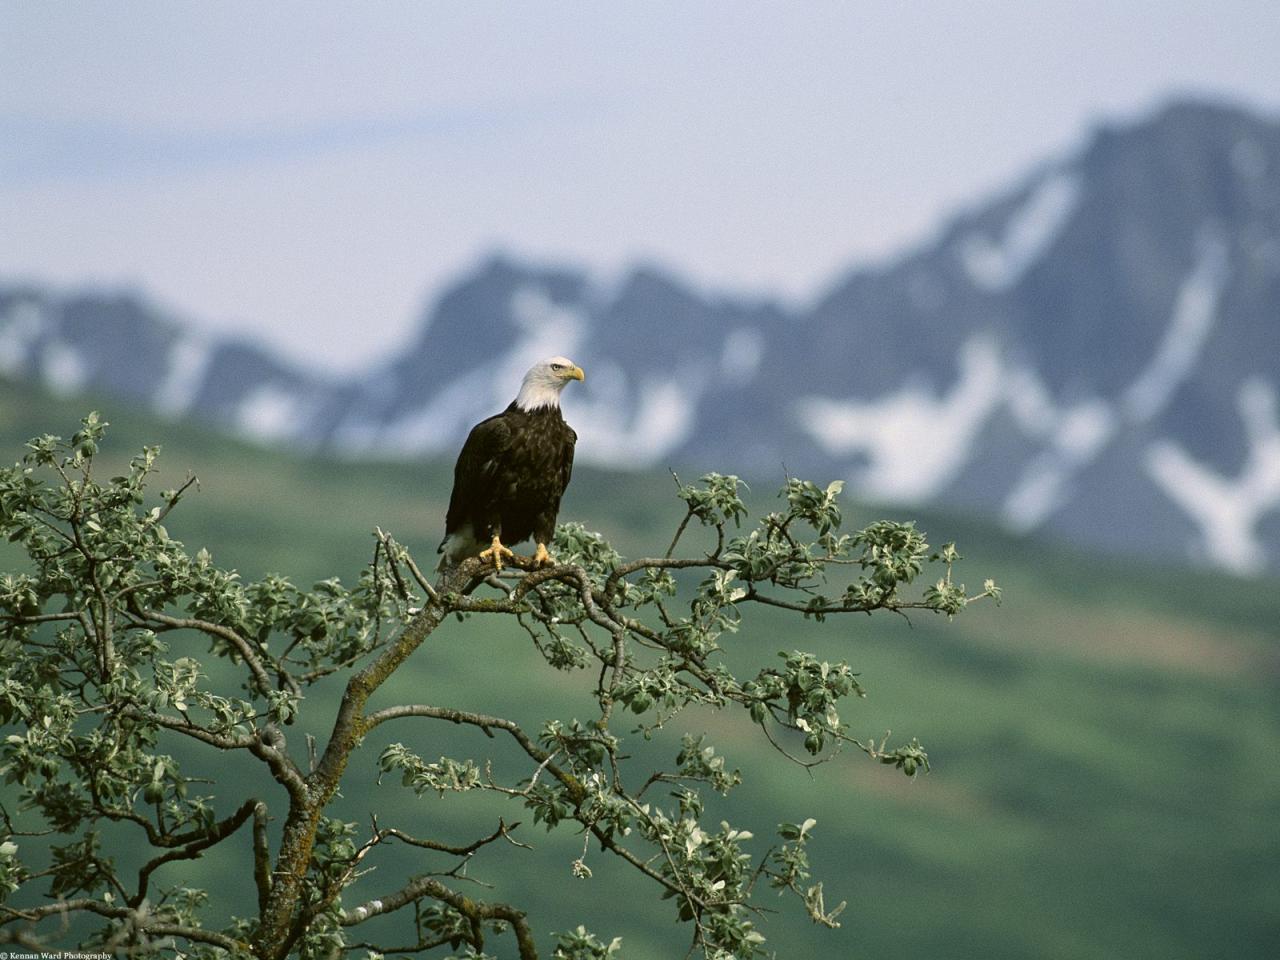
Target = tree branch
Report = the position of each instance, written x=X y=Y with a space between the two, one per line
x=261 y=856
x=140 y=919
x=261 y=680
x=503 y=832
x=215 y=834
x=474 y=910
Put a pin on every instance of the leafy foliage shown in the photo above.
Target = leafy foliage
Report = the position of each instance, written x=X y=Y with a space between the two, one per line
x=103 y=633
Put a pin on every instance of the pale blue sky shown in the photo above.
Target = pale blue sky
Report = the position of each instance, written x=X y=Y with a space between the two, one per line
x=311 y=173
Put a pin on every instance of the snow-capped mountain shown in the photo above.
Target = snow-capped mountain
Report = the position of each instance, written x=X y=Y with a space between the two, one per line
x=1093 y=354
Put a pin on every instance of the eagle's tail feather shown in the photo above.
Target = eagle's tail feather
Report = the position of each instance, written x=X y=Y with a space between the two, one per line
x=458 y=546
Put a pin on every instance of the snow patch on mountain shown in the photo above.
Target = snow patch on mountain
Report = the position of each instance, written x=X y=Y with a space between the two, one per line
x=188 y=362
x=271 y=412
x=435 y=426
x=20 y=328
x=1226 y=509
x=632 y=426
x=63 y=368
x=544 y=329
x=916 y=441
x=1075 y=436
x=741 y=355
x=996 y=266
x=1030 y=402
x=1194 y=312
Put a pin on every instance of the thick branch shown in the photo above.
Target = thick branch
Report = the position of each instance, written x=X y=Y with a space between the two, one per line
x=474 y=910
x=322 y=782
x=261 y=856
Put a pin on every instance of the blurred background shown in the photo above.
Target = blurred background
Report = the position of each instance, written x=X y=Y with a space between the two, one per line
x=1012 y=269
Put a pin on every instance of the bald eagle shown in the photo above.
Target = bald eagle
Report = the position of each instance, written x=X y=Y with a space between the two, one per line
x=512 y=472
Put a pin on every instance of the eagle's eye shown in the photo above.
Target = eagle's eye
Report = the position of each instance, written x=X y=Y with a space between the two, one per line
x=557 y=366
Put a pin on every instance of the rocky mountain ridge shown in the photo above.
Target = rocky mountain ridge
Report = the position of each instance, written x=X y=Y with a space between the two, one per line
x=1092 y=354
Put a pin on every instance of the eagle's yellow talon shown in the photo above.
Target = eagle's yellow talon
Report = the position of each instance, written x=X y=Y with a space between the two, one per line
x=541 y=558
x=495 y=553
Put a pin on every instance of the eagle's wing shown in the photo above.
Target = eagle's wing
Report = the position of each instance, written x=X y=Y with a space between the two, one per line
x=566 y=467
x=479 y=463
x=544 y=523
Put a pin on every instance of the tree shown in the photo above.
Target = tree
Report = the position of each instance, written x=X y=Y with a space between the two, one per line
x=109 y=712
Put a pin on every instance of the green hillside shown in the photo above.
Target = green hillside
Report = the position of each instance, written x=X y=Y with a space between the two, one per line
x=1103 y=744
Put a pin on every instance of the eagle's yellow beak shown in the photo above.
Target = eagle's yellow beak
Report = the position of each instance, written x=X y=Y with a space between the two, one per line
x=575 y=373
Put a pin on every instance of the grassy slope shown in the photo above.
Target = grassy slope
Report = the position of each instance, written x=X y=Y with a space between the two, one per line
x=1104 y=743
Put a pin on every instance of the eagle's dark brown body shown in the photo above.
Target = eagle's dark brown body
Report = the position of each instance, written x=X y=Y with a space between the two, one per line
x=508 y=481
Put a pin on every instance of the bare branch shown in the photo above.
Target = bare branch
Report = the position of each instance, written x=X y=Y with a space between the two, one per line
x=679 y=530
x=176 y=496
x=503 y=832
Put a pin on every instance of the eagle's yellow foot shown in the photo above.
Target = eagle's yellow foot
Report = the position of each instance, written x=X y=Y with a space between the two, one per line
x=541 y=558
x=495 y=553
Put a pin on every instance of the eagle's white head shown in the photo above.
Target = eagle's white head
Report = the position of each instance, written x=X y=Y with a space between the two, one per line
x=544 y=381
